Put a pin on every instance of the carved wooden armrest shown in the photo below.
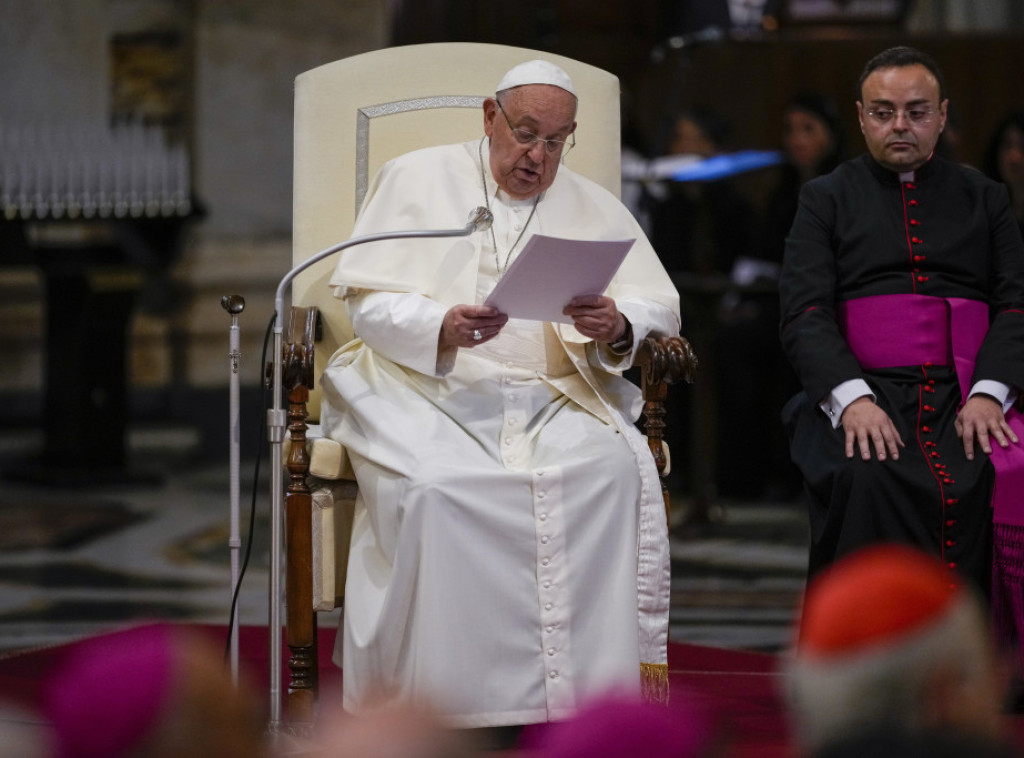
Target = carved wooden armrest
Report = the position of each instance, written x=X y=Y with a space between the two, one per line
x=662 y=361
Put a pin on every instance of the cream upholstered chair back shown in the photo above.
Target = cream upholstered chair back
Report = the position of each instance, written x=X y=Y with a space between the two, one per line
x=353 y=115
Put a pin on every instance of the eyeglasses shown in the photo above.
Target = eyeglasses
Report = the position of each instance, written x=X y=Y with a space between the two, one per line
x=915 y=115
x=529 y=139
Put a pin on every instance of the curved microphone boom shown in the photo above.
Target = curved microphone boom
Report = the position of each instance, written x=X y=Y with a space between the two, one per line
x=480 y=219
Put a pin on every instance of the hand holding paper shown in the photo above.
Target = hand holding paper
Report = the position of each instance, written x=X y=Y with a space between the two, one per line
x=597 y=317
x=551 y=271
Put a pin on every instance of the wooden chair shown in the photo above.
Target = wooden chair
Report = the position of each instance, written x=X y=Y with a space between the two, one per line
x=350 y=117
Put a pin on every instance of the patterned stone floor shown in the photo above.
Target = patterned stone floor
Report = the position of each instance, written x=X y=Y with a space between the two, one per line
x=74 y=562
x=737 y=582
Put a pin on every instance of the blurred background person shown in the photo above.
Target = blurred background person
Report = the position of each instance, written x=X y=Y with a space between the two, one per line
x=951 y=142
x=813 y=143
x=1004 y=160
x=753 y=373
x=636 y=157
x=891 y=641
x=700 y=227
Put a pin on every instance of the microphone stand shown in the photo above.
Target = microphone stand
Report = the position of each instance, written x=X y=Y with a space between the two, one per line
x=234 y=304
x=479 y=219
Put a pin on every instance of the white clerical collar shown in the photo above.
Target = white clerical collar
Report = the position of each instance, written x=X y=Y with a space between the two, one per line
x=911 y=176
x=505 y=199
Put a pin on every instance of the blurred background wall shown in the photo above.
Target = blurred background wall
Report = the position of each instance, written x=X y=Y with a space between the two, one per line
x=205 y=87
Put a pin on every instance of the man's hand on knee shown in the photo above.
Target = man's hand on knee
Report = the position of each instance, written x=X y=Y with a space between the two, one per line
x=866 y=424
x=980 y=418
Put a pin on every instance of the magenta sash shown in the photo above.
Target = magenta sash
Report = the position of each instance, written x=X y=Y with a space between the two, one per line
x=909 y=330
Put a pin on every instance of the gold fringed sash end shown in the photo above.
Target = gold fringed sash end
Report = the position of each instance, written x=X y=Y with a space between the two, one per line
x=654 y=682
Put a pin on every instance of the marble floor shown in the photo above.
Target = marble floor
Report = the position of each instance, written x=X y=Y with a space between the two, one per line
x=77 y=561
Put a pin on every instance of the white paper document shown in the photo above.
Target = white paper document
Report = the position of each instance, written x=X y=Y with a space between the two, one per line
x=551 y=271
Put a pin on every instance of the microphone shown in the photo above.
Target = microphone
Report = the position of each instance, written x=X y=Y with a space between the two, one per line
x=481 y=218
x=705 y=36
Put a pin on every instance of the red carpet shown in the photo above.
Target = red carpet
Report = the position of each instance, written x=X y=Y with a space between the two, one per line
x=740 y=687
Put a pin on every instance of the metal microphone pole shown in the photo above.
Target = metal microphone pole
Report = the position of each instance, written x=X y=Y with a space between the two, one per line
x=234 y=304
x=479 y=219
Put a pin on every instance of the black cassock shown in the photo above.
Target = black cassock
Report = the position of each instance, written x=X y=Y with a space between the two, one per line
x=944 y=231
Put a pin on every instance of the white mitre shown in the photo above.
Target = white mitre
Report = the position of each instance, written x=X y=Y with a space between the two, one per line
x=536 y=72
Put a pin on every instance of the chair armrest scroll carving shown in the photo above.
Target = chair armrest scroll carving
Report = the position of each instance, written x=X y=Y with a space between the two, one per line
x=662 y=361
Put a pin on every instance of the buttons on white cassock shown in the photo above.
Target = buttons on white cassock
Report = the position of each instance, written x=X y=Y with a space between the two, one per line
x=549 y=534
x=551 y=576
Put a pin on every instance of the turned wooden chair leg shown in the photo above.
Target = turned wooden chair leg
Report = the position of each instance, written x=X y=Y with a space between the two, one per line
x=300 y=618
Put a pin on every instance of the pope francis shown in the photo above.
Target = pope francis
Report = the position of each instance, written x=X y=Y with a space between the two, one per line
x=509 y=555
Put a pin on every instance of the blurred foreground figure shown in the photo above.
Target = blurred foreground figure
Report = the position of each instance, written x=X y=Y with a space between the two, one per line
x=624 y=726
x=403 y=730
x=21 y=734
x=157 y=692
x=891 y=642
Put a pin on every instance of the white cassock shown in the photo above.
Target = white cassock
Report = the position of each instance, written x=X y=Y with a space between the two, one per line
x=509 y=554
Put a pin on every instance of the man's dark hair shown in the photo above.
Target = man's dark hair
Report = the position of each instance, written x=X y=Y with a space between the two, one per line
x=898 y=57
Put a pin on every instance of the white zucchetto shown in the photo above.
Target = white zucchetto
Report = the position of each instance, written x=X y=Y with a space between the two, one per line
x=536 y=72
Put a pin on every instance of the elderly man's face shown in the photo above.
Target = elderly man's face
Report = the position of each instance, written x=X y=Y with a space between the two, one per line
x=901 y=116
x=547 y=111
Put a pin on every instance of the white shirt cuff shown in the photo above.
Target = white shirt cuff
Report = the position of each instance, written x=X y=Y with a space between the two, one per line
x=841 y=396
x=998 y=390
